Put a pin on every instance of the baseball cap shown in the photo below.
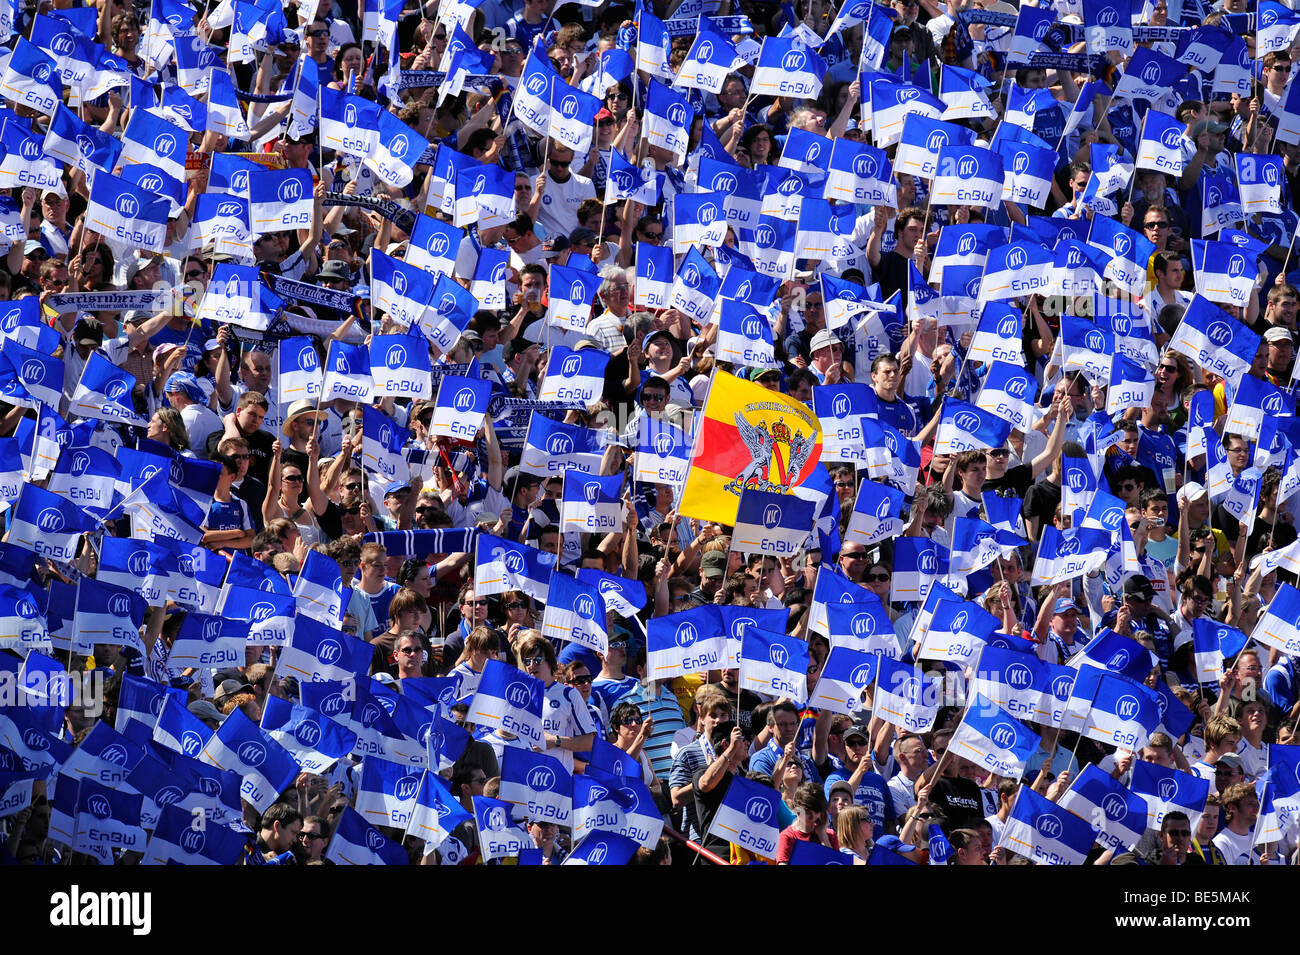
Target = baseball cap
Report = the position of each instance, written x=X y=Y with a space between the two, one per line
x=87 y=331
x=1208 y=126
x=713 y=564
x=395 y=487
x=32 y=245
x=1139 y=587
x=185 y=383
x=857 y=729
x=1191 y=491
x=603 y=114
x=231 y=687
x=1278 y=334
x=1063 y=606
x=206 y=710
x=756 y=373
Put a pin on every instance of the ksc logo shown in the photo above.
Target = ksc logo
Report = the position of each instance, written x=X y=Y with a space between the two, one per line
x=290 y=190
x=127 y=206
x=519 y=695
x=50 y=520
x=758 y=810
x=686 y=635
x=793 y=62
x=778 y=655
x=329 y=651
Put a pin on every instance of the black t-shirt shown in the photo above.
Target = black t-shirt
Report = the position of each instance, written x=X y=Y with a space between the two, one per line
x=706 y=807
x=891 y=273
x=959 y=801
x=1041 y=501
x=1018 y=479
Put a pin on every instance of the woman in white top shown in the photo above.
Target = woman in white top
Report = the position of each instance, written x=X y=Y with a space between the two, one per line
x=480 y=646
x=566 y=721
x=286 y=482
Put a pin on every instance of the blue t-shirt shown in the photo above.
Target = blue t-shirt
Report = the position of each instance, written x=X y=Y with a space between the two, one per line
x=229 y=515
x=379 y=602
x=872 y=795
x=764 y=761
x=611 y=691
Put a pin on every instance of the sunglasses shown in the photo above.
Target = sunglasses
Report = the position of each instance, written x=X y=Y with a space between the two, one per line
x=560 y=163
x=353 y=509
x=533 y=661
x=876 y=578
x=618 y=645
x=480 y=602
x=517 y=605
x=292 y=479
x=1155 y=225
x=652 y=236
x=409 y=650
x=354 y=486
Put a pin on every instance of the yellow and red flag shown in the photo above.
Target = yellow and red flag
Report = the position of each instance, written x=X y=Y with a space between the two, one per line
x=747 y=436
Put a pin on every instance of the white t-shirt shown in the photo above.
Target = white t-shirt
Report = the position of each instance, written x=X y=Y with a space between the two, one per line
x=1236 y=849
x=560 y=201
x=200 y=422
x=564 y=713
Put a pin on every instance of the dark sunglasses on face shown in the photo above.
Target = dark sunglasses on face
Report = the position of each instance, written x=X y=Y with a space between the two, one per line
x=581 y=680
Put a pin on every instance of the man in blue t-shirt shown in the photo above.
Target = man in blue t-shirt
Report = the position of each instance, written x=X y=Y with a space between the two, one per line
x=783 y=721
x=869 y=788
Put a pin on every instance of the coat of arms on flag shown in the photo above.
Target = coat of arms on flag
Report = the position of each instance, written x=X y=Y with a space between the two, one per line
x=749 y=437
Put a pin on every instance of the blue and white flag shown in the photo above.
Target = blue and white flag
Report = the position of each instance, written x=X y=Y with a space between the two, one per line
x=383 y=446
x=748 y=817
x=963 y=94
x=602 y=848
x=840 y=408
x=1149 y=75
x=1131 y=252
x=509 y=699
x=240 y=746
x=891 y=102
x=1220 y=203
x=956 y=632
x=236 y=295
x=1276 y=28
x=1161 y=145
x=846 y=674
x=698 y=219
x=436 y=813
x=977 y=543
x=179 y=729
x=280 y=200
x=318 y=652
x=109 y=615
x=47 y=524
x=386 y=795
x=1107 y=25
x=592 y=503
x=462 y=403
x=120 y=211
x=1224 y=273
x=434 y=245
x=1014 y=681
x=825 y=230
x=1115 y=652
x=1123 y=713
x=141 y=700
x=76 y=143
x=688 y=641
x=539 y=783
x=356 y=842
x=175 y=840
x=968 y=175
x=1027 y=172
x=1169 y=790
x=860 y=173
x=744 y=335
x=1023 y=105
x=1105 y=802
x=571 y=293
x=786 y=67
x=626 y=181
x=964 y=427
x=402 y=289
x=1255 y=402
x=712 y=57
x=484 y=194
x=488 y=284
x=918 y=563
x=654 y=275
x=575 y=612
x=864 y=626
x=31 y=78
x=347 y=373
x=1214 y=340
x=921 y=139
x=552 y=447
x=1008 y=392
x=206 y=640
x=221 y=221
x=1259 y=179
x=695 y=287
x=1046 y=832
x=400 y=366
x=994 y=739
x=574 y=375
x=348 y=124
x=998 y=335
x=768 y=523
x=499 y=834
x=398 y=149
x=269 y=616
x=1279 y=626
x=1211 y=642
x=503 y=565
x=1064 y=555
x=774 y=664
x=876 y=513
x=151 y=140
x=905 y=697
